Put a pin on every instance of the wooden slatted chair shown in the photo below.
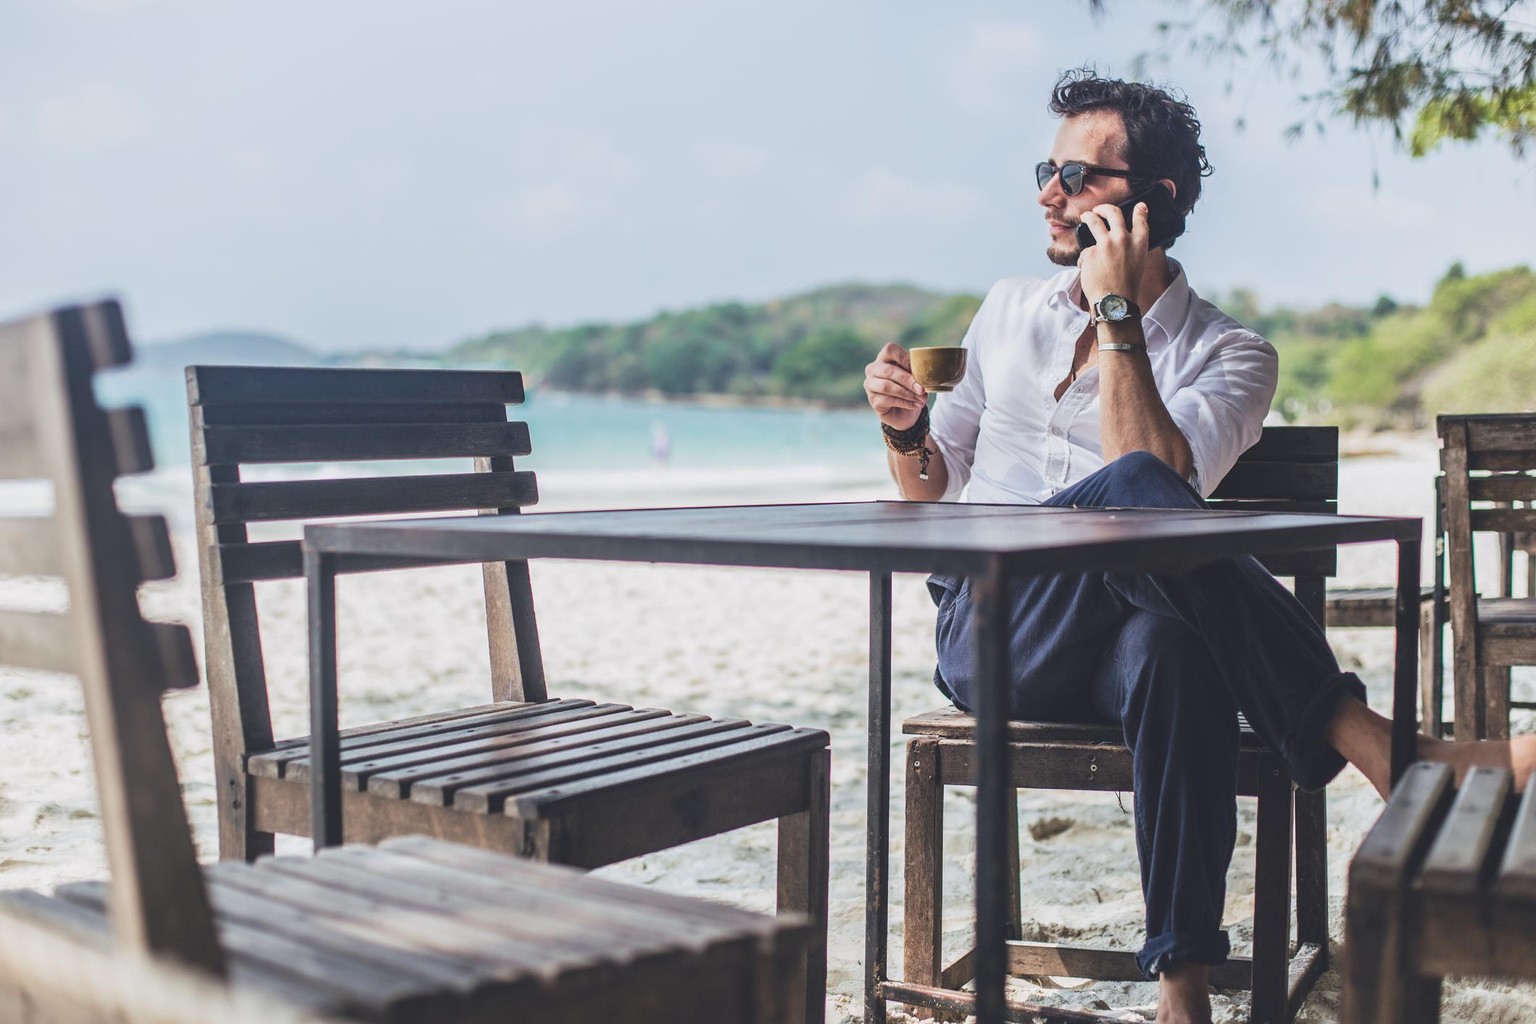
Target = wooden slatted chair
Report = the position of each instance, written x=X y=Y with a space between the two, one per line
x=570 y=781
x=1376 y=608
x=1292 y=469
x=1488 y=462
x=1444 y=885
x=416 y=930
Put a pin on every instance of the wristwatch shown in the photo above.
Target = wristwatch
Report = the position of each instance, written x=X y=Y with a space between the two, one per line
x=1115 y=309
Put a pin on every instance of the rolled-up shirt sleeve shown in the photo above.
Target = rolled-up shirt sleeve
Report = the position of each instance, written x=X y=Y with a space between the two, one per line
x=956 y=415
x=1221 y=413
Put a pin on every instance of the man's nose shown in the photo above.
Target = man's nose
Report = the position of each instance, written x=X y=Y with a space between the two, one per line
x=1052 y=195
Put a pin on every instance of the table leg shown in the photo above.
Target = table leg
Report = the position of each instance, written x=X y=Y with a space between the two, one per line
x=877 y=856
x=992 y=891
x=324 y=731
x=1405 y=675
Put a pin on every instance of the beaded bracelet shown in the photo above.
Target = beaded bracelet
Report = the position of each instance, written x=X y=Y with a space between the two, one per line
x=910 y=442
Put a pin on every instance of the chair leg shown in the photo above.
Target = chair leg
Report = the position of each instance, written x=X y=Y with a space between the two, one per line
x=1312 y=870
x=924 y=867
x=1272 y=895
x=1496 y=701
x=238 y=839
x=1468 y=699
x=1015 y=871
x=804 y=849
x=1431 y=714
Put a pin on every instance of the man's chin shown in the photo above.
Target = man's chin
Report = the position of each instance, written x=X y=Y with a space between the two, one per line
x=1063 y=256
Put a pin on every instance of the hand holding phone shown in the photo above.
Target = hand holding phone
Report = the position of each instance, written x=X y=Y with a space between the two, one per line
x=1164 y=221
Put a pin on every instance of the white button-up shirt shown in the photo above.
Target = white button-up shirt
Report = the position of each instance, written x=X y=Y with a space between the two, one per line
x=1004 y=435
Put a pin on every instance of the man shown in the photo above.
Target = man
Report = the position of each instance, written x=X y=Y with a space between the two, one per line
x=1115 y=384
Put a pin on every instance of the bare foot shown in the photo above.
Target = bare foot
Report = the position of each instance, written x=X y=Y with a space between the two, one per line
x=1517 y=755
x=1184 y=995
x=1365 y=739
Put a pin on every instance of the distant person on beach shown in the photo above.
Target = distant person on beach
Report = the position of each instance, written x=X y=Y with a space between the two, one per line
x=661 y=443
x=1112 y=383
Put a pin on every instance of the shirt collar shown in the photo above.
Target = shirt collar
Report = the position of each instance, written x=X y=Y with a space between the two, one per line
x=1167 y=313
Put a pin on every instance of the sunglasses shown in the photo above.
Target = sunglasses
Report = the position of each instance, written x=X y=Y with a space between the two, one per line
x=1073 y=174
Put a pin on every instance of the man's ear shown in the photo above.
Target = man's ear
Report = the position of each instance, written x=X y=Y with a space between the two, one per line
x=1173 y=189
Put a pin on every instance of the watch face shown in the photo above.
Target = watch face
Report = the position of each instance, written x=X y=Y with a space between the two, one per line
x=1114 y=307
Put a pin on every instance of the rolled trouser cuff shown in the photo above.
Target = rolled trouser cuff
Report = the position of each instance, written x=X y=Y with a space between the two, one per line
x=1174 y=949
x=1309 y=757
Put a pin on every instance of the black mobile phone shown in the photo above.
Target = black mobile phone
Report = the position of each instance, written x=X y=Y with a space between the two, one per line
x=1164 y=221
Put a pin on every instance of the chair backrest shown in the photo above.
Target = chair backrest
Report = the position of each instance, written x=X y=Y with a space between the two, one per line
x=1487 y=461
x=52 y=429
x=1290 y=469
x=245 y=416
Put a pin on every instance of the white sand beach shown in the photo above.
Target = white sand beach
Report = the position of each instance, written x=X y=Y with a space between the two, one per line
x=763 y=644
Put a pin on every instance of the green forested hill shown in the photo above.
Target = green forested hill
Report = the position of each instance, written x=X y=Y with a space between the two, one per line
x=1471 y=348
x=811 y=346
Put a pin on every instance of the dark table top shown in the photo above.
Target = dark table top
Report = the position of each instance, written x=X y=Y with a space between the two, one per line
x=889 y=536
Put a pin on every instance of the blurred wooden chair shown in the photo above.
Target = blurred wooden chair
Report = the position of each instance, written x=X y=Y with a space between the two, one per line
x=1488 y=463
x=1444 y=885
x=1376 y=608
x=571 y=781
x=416 y=930
x=1293 y=469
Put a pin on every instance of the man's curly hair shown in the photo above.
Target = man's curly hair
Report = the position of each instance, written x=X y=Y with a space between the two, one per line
x=1162 y=133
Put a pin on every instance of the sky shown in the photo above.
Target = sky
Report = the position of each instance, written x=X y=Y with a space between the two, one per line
x=371 y=174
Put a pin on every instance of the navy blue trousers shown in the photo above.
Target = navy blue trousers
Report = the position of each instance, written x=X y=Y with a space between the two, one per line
x=1173 y=659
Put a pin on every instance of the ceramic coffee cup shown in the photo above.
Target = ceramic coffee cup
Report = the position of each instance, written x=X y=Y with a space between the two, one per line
x=938 y=368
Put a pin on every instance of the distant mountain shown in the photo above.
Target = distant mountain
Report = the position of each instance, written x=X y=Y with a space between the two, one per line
x=225 y=348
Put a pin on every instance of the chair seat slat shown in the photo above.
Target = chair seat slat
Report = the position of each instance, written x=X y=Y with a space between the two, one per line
x=553 y=762
x=316 y=499
x=624 y=926
x=348 y=985
x=1402 y=834
x=1516 y=878
x=366 y=741
x=1456 y=861
x=393 y=776
x=358 y=766
x=209 y=385
x=487 y=864
x=37 y=640
x=331 y=443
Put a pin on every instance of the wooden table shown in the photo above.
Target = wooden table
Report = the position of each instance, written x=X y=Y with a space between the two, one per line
x=992 y=544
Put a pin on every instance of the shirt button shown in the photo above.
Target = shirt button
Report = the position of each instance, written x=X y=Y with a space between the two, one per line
x=1055 y=430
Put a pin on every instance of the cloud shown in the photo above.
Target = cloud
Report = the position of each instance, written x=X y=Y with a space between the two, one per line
x=883 y=196
x=987 y=74
x=90 y=121
x=730 y=159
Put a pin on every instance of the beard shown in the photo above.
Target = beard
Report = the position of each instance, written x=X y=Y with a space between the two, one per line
x=1065 y=253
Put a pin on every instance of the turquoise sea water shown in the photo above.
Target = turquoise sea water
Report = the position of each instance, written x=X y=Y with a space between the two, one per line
x=592 y=450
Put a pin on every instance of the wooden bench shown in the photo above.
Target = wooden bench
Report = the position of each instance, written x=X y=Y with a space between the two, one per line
x=415 y=930
x=1290 y=469
x=573 y=780
x=1444 y=885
